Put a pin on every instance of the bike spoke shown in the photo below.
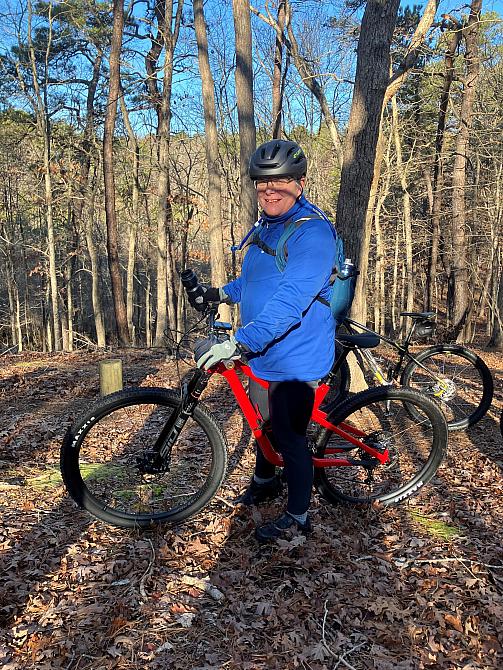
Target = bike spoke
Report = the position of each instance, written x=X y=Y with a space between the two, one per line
x=410 y=442
x=112 y=462
x=454 y=381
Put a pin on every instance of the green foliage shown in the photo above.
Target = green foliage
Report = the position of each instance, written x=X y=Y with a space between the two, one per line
x=82 y=19
x=17 y=116
x=434 y=526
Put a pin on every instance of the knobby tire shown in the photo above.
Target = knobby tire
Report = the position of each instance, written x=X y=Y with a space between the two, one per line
x=100 y=452
x=416 y=447
x=471 y=384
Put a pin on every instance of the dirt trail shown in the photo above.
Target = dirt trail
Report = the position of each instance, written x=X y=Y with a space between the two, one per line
x=416 y=586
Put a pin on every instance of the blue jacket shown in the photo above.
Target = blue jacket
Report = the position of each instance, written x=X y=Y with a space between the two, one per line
x=291 y=332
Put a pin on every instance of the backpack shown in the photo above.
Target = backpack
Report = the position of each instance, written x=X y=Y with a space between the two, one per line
x=343 y=285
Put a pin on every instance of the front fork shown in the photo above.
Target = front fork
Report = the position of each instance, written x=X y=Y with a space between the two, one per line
x=191 y=392
x=157 y=460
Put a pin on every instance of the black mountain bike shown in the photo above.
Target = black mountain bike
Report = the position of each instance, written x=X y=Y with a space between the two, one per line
x=450 y=373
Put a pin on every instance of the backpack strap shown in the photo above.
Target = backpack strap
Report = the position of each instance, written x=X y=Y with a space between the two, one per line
x=280 y=252
x=281 y=248
x=265 y=247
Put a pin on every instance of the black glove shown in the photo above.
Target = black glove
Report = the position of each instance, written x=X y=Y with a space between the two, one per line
x=201 y=295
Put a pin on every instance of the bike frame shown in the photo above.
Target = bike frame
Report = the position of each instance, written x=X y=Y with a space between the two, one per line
x=257 y=425
x=402 y=348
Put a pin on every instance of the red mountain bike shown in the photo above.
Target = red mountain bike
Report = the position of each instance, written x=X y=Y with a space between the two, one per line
x=152 y=455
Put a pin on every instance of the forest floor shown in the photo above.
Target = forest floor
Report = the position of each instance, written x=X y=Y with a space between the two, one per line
x=404 y=588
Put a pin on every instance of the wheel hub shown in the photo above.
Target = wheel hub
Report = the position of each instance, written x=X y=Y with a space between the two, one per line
x=381 y=441
x=151 y=463
x=444 y=389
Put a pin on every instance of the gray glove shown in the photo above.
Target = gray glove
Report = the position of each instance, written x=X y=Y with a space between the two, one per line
x=210 y=352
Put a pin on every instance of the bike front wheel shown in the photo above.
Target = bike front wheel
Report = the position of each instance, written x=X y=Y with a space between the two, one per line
x=105 y=457
x=416 y=447
x=457 y=378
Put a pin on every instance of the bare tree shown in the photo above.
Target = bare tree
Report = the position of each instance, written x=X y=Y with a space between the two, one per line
x=218 y=275
x=165 y=39
x=496 y=340
x=109 y=177
x=363 y=135
x=40 y=104
x=133 y=227
x=246 y=113
x=371 y=82
x=305 y=68
x=453 y=41
x=278 y=77
x=459 y=267
x=84 y=154
x=407 y=217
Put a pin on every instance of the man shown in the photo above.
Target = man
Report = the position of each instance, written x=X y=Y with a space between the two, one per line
x=287 y=334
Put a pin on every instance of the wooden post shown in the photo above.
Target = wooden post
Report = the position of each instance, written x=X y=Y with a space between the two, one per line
x=110 y=376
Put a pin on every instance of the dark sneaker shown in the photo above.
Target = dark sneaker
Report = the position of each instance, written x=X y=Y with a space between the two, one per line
x=282 y=528
x=256 y=493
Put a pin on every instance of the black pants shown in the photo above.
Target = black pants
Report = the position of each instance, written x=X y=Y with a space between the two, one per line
x=288 y=405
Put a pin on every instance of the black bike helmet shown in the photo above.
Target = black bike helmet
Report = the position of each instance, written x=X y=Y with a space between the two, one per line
x=278 y=158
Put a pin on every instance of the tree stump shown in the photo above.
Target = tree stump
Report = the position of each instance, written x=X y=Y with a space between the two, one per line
x=110 y=376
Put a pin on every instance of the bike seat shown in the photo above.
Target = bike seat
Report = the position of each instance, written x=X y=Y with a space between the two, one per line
x=361 y=341
x=419 y=315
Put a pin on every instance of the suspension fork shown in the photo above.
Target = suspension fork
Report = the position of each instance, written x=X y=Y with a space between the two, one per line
x=190 y=394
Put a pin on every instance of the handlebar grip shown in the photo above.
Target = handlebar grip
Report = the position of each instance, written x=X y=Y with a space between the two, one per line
x=194 y=290
x=189 y=279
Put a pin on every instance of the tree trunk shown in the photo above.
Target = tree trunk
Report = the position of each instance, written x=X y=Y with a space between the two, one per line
x=395 y=313
x=407 y=222
x=355 y=194
x=496 y=340
x=218 y=274
x=133 y=228
x=92 y=249
x=40 y=104
x=438 y=177
x=371 y=81
x=246 y=114
x=14 y=307
x=277 y=76
x=10 y=276
x=459 y=269
x=88 y=149
x=108 y=174
x=165 y=283
x=148 y=313
x=53 y=279
x=381 y=255
x=164 y=215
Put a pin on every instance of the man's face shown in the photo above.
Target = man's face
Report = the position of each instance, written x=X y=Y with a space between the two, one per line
x=277 y=196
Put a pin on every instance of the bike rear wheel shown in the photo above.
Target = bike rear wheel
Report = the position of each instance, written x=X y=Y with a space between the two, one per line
x=416 y=447
x=104 y=453
x=457 y=378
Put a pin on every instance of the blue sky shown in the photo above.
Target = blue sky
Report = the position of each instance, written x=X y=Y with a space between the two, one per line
x=186 y=86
